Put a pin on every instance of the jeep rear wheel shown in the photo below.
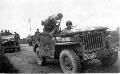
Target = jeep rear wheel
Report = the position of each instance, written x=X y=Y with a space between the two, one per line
x=110 y=59
x=69 y=62
x=40 y=59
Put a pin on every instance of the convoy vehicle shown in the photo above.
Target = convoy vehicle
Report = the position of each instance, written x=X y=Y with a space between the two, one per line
x=9 y=43
x=72 y=49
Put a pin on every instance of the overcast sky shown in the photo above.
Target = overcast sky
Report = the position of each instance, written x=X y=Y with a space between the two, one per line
x=14 y=14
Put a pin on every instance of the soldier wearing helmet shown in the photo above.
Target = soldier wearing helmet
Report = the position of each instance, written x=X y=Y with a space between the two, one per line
x=37 y=32
x=17 y=37
x=59 y=16
x=68 y=28
x=51 y=25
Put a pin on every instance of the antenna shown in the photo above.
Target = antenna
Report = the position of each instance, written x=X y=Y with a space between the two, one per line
x=30 y=25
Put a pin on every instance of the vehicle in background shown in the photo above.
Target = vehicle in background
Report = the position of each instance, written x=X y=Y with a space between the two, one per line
x=9 y=43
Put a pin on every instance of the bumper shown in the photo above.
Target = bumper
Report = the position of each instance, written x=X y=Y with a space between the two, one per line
x=107 y=52
x=101 y=53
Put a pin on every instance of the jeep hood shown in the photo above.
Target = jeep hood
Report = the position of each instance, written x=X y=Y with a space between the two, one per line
x=84 y=31
x=90 y=29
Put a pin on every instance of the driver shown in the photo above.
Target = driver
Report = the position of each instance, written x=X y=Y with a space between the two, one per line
x=68 y=28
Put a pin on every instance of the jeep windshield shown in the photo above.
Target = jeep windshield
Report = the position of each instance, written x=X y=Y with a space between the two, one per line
x=6 y=38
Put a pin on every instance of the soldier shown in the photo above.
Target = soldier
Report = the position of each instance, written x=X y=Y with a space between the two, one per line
x=51 y=25
x=8 y=32
x=37 y=32
x=17 y=37
x=5 y=32
x=2 y=32
x=68 y=28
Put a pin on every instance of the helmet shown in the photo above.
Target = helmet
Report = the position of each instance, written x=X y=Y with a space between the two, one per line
x=68 y=23
x=60 y=15
x=37 y=28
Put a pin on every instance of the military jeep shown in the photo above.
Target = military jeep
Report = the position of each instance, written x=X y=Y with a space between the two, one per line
x=9 y=44
x=72 y=49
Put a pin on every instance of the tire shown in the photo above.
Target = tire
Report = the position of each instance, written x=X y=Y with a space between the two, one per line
x=110 y=60
x=40 y=59
x=69 y=62
x=18 y=48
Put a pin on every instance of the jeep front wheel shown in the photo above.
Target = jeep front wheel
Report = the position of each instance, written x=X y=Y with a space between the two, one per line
x=40 y=59
x=69 y=62
x=109 y=60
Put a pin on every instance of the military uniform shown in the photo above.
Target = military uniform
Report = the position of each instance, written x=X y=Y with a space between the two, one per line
x=51 y=27
x=17 y=37
x=37 y=33
x=50 y=24
x=68 y=29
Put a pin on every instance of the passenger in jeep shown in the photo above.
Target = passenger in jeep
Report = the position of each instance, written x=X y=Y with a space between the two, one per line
x=52 y=23
x=51 y=27
x=68 y=28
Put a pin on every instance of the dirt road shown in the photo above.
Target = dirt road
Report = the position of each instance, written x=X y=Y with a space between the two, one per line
x=25 y=62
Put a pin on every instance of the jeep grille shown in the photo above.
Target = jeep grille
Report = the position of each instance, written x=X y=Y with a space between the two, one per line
x=93 y=41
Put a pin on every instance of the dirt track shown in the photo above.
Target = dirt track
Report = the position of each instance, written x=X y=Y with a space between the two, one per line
x=25 y=62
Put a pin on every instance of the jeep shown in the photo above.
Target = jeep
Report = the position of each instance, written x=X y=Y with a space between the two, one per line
x=72 y=49
x=9 y=43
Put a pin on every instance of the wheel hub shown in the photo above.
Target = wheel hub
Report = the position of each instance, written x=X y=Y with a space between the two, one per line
x=68 y=63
